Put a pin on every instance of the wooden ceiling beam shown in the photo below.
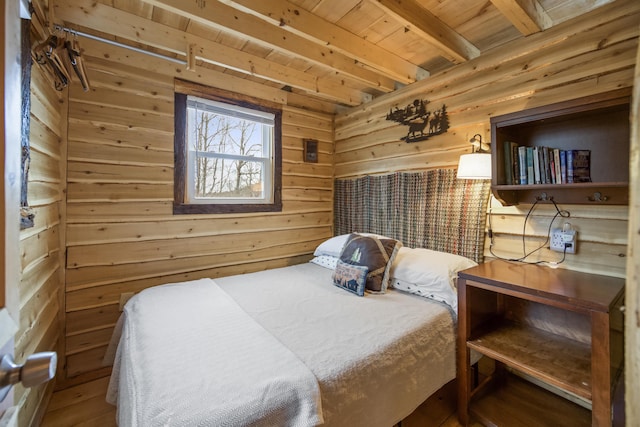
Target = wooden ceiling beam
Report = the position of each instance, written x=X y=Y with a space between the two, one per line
x=228 y=19
x=423 y=23
x=106 y=19
x=282 y=13
x=527 y=16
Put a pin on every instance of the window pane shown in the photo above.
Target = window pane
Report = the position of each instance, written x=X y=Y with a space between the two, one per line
x=224 y=178
x=229 y=152
x=227 y=135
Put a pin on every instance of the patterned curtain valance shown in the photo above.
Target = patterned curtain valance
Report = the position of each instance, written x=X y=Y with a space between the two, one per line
x=431 y=209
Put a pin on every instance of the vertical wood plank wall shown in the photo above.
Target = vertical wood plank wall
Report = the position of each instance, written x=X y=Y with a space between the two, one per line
x=592 y=54
x=121 y=234
x=632 y=302
x=41 y=247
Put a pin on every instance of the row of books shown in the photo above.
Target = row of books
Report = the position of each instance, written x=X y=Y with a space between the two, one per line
x=526 y=165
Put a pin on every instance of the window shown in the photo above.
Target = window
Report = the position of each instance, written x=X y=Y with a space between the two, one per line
x=228 y=154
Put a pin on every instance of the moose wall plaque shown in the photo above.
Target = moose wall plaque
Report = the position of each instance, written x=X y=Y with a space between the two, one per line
x=422 y=122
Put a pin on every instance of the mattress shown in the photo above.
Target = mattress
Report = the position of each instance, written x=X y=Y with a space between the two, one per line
x=376 y=358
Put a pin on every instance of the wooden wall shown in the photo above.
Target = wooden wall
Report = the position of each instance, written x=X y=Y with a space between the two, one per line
x=591 y=54
x=121 y=234
x=632 y=317
x=41 y=247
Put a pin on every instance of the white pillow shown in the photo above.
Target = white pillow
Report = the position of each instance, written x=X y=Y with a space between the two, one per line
x=428 y=273
x=326 y=261
x=333 y=246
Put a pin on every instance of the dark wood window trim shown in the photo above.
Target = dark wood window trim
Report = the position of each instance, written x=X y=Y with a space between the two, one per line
x=180 y=204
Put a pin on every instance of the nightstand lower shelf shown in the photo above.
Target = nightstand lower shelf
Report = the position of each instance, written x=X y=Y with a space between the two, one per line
x=518 y=403
x=556 y=360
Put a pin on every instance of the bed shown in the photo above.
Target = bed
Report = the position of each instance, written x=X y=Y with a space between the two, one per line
x=302 y=345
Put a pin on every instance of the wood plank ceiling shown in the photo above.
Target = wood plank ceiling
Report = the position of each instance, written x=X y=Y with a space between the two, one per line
x=346 y=52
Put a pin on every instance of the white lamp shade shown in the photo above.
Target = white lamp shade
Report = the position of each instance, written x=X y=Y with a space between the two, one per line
x=475 y=166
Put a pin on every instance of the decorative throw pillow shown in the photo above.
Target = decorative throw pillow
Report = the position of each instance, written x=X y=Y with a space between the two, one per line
x=350 y=277
x=333 y=246
x=376 y=254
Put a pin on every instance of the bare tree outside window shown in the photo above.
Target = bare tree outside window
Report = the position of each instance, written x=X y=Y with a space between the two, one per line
x=228 y=156
x=230 y=148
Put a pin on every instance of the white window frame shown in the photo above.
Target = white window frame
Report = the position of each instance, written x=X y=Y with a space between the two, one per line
x=263 y=118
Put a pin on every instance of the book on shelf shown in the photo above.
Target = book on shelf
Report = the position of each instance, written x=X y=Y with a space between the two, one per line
x=556 y=162
x=515 y=169
x=522 y=163
x=569 y=166
x=581 y=165
x=530 y=175
x=508 y=162
x=536 y=165
x=563 y=166
x=547 y=169
x=526 y=165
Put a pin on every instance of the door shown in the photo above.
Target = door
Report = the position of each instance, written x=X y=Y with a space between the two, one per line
x=10 y=168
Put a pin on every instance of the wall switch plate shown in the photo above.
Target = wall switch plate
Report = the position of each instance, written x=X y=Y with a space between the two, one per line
x=564 y=240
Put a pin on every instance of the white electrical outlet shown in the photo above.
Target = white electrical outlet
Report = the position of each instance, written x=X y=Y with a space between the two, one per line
x=564 y=239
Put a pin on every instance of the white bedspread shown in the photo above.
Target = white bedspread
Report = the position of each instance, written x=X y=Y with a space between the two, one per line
x=376 y=358
x=192 y=360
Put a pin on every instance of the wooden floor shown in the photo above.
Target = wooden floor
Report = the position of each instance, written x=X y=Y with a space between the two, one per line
x=85 y=405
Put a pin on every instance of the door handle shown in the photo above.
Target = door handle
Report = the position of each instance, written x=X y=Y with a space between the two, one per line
x=37 y=369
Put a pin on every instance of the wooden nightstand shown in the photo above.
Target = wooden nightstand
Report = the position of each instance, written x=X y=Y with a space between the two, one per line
x=556 y=326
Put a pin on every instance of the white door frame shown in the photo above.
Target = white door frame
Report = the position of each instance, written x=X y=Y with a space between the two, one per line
x=10 y=167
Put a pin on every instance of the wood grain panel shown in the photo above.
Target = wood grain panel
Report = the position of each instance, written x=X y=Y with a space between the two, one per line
x=36 y=274
x=86 y=172
x=119 y=154
x=107 y=296
x=589 y=55
x=632 y=312
x=108 y=96
x=86 y=361
x=92 y=319
x=94 y=192
x=41 y=282
x=120 y=116
x=224 y=244
x=117 y=211
x=90 y=340
x=48 y=167
x=178 y=227
x=117 y=136
x=84 y=277
x=44 y=139
x=32 y=306
x=121 y=234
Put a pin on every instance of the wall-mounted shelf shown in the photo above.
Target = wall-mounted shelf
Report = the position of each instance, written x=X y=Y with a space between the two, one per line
x=599 y=123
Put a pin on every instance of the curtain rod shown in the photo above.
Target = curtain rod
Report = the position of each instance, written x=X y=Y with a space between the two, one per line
x=118 y=44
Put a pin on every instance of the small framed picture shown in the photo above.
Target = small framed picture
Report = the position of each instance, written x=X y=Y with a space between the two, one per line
x=310 y=150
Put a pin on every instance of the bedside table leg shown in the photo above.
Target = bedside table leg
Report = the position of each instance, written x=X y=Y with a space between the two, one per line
x=600 y=370
x=463 y=355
